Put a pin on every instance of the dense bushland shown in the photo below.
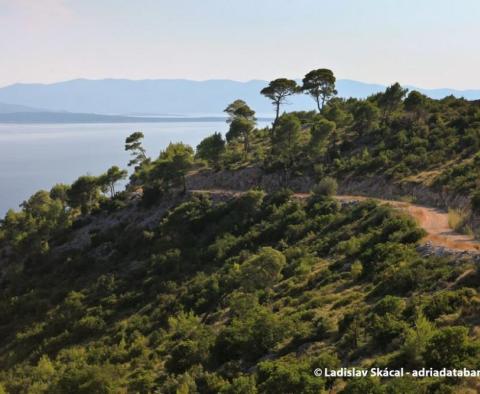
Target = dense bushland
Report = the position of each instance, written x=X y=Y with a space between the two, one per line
x=242 y=296
x=247 y=294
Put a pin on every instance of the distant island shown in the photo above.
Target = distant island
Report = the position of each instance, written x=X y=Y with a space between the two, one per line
x=90 y=100
x=69 y=117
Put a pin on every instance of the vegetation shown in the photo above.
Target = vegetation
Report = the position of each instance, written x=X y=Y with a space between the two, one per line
x=133 y=144
x=112 y=177
x=320 y=84
x=211 y=149
x=215 y=287
x=242 y=122
x=457 y=219
x=278 y=91
x=398 y=137
x=326 y=187
x=153 y=289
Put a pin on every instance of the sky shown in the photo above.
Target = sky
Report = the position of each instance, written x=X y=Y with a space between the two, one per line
x=426 y=43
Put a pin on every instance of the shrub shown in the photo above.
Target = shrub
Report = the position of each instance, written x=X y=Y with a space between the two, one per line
x=241 y=385
x=384 y=329
x=447 y=302
x=451 y=348
x=356 y=269
x=456 y=219
x=363 y=386
x=416 y=339
x=475 y=202
x=289 y=376
x=251 y=336
x=326 y=187
x=262 y=270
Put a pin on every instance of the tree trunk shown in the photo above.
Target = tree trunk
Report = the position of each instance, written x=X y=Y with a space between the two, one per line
x=246 y=143
x=184 y=181
x=277 y=114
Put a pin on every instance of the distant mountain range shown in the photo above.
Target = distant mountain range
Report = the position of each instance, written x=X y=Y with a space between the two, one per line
x=70 y=117
x=172 y=98
x=12 y=108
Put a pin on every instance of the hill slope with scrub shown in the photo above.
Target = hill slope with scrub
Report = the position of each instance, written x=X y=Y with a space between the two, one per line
x=158 y=288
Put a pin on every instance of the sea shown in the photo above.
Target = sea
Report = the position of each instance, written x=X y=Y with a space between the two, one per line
x=37 y=156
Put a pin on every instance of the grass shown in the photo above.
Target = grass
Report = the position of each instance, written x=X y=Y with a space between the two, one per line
x=407 y=198
x=457 y=220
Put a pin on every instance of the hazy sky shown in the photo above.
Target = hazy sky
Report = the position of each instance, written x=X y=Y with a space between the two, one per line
x=428 y=43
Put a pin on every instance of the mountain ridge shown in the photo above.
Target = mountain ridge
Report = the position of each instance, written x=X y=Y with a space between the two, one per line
x=15 y=108
x=182 y=96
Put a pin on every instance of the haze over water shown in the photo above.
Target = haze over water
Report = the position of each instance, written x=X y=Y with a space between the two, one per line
x=37 y=156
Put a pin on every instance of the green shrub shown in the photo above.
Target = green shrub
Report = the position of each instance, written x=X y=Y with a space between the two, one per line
x=326 y=187
x=451 y=348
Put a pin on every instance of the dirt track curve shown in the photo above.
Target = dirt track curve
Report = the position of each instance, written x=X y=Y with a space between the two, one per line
x=432 y=220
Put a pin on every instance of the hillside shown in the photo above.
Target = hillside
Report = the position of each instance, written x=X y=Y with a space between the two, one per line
x=235 y=268
x=13 y=108
x=308 y=284
x=175 y=97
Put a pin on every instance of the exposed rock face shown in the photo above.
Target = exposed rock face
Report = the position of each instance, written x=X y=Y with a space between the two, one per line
x=428 y=249
x=247 y=178
x=378 y=187
x=132 y=218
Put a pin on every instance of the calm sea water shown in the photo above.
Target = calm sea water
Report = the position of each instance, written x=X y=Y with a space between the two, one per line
x=34 y=157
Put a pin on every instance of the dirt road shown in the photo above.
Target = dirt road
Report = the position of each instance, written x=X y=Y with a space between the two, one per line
x=432 y=220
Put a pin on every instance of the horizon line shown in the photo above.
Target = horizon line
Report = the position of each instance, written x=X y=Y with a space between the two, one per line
x=408 y=85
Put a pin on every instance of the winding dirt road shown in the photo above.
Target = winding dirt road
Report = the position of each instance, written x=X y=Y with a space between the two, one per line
x=432 y=220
